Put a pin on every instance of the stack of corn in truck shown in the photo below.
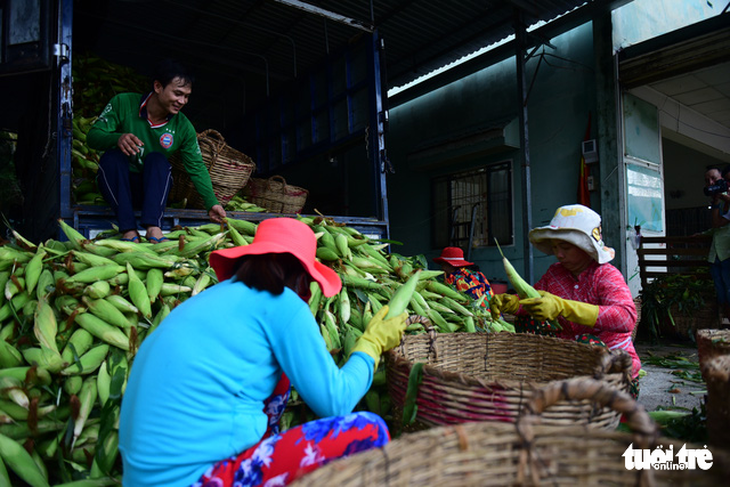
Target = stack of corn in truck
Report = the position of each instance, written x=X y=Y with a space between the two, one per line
x=73 y=313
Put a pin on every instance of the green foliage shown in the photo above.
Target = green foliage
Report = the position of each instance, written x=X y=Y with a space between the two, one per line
x=673 y=292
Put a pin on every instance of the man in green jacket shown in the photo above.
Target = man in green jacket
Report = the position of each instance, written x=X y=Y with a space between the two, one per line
x=137 y=134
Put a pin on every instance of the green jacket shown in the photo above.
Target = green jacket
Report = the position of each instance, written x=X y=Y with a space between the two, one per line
x=127 y=113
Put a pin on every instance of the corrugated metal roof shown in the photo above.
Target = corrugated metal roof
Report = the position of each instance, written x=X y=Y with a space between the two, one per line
x=257 y=44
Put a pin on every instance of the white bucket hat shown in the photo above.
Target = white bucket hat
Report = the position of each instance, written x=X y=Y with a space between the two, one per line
x=575 y=224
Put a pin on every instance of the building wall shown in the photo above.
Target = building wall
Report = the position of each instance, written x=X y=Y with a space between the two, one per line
x=561 y=97
x=640 y=20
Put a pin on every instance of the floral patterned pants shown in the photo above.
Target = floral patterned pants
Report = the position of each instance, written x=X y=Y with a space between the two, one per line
x=280 y=458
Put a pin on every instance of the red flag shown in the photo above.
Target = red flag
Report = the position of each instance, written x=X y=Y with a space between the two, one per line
x=584 y=195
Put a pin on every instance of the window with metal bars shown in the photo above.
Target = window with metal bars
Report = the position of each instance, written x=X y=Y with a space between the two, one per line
x=473 y=208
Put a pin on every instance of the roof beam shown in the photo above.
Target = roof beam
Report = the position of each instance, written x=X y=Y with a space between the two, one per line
x=327 y=14
x=507 y=50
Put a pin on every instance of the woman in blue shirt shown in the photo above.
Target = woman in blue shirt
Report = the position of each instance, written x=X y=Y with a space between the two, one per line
x=208 y=387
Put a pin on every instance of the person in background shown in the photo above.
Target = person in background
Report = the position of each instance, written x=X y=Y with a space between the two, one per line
x=719 y=255
x=588 y=296
x=138 y=133
x=469 y=281
x=208 y=387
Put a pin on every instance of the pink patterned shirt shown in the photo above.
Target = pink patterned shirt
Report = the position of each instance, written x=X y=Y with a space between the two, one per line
x=605 y=286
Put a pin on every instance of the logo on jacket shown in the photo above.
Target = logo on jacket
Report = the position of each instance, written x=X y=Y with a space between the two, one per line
x=166 y=140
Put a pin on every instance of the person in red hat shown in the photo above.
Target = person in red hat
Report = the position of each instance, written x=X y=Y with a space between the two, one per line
x=208 y=387
x=470 y=281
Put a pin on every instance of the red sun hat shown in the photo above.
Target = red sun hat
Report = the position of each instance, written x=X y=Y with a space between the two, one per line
x=453 y=256
x=280 y=236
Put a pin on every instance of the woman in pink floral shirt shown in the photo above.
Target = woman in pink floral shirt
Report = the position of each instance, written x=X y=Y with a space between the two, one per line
x=588 y=296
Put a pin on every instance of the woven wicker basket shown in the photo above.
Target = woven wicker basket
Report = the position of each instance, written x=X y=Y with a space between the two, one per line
x=489 y=376
x=229 y=171
x=712 y=343
x=716 y=372
x=276 y=195
x=524 y=453
x=686 y=325
x=637 y=305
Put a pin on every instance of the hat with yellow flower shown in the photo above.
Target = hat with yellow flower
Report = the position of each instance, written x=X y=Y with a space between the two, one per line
x=575 y=224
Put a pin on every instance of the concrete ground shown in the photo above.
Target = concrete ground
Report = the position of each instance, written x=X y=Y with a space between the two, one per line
x=661 y=387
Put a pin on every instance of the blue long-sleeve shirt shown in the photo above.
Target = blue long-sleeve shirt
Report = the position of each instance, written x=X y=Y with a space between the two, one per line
x=197 y=385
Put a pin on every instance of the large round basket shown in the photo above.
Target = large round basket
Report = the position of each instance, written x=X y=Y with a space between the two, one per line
x=527 y=452
x=229 y=169
x=276 y=195
x=716 y=372
x=490 y=376
x=712 y=343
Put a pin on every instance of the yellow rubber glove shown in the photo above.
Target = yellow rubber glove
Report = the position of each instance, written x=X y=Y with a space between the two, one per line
x=549 y=307
x=381 y=335
x=504 y=303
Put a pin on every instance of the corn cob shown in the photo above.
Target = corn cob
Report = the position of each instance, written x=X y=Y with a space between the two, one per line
x=315 y=298
x=45 y=325
x=244 y=227
x=153 y=282
x=87 y=397
x=170 y=288
x=94 y=274
x=327 y=254
x=46 y=284
x=236 y=236
x=88 y=362
x=450 y=303
x=12 y=388
x=98 y=289
x=202 y=283
x=103 y=460
x=14 y=285
x=44 y=357
x=445 y=290
x=106 y=311
x=345 y=307
x=358 y=282
x=145 y=260
x=10 y=308
x=9 y=355
x=202 y=245
x=21 y=462
x=75 y=237
x=103 y=330
x=33 y=269
x=138 y=293
x=342 y=246
x=121 y=303
x=29 y=374
x=92 y=259
x=523 y=288
x=399 y=302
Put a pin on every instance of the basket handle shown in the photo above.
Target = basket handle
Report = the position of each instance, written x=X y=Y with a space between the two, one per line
x=213 y=134
x=645 y=430
x=582 y=388
x=276 y=178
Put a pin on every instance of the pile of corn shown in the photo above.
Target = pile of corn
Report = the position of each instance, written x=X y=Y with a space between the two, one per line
x=73 y=314
x=95 y=82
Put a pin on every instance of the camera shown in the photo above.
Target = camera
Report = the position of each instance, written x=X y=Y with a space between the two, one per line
x=720 y=186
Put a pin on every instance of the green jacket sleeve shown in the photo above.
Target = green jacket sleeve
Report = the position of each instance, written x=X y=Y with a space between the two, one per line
x=195 y=167
x=104 y=134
